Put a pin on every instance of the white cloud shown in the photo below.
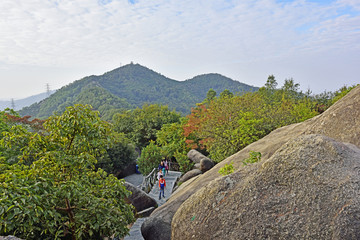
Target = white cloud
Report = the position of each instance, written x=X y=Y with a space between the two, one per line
x=246 y=40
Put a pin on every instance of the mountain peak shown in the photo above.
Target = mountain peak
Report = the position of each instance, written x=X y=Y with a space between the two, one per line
x=137 y=85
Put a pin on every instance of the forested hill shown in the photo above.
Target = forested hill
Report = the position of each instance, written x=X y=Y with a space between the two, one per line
x=131 y=86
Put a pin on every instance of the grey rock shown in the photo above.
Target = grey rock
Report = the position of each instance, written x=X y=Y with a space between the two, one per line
x=196 y=166
x=309 y=189
x=190 y=174
x=196 y=156
x=206 y=164
x=139 y=199
x=201 y=161
x=156 y=229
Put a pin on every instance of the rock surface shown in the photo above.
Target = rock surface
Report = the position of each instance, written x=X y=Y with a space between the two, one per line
x=206 y=165
x=157 y=233
x=190 y=174
x=309 y=189
x=345 y=113
x=139 y=199
x=196 y=156
x=196 y=166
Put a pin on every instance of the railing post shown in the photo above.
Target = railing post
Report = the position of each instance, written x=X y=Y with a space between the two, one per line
x=149 y=181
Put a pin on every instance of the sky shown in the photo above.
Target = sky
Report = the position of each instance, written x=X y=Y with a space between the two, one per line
x=55 y=42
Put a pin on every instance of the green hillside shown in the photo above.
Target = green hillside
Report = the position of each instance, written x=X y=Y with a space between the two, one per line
x=131 y=86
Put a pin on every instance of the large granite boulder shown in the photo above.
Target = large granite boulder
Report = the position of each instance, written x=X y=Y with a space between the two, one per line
x=203 y=163
x=158 y=225
x=196 y=156
x=190 y=174
x=157 y=233
x=340 y=121
x=309 y=189
x=139 y=199
x=196 y=166
x=206 y=164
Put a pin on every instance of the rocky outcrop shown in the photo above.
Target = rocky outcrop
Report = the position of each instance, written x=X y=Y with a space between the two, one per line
x=190 y=174
x=203 y=163
x=148 y=231
x=206 y=164
x=196 y=166
x=139 y=199
x=341 y=122
x=195 y=156
x=309 y=189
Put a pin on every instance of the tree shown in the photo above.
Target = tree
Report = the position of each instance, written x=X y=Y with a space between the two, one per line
x=9 y=119
x=271 y=83
x=290 y=89
x=141 y=125
x=150 y=158
x=226 y=93
x=173 y=144
x=210 y=95
x=118 y=157
x=59 y=195
x=227 y=125
x=230 y=124
x=341 y=93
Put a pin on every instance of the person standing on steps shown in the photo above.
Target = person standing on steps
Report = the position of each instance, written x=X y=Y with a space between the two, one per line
x=164 y=170
x=162 y=167
x=159 y=174
x=161 y=164
x=162 y=185
x=166 y=166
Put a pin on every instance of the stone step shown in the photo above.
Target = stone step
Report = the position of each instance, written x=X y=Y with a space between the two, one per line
x=170 y=178
x=135 y=231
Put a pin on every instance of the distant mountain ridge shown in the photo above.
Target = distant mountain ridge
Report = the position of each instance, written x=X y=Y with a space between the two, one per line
x=131 y=86
x=24 y=102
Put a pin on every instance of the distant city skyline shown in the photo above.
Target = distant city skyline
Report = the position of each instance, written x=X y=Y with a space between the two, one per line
x=315 y=42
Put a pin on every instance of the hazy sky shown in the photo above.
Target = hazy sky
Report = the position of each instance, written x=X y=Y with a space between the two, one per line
x=55 y=42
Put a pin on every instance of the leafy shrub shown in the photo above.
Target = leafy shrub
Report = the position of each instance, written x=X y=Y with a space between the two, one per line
x=183 y=161
x=227 y=169
x=59 y=195
x=253 y=158
x=118 y=157
x=150 y=158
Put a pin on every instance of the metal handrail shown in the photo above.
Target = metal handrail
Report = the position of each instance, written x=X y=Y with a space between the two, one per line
x=149 y=181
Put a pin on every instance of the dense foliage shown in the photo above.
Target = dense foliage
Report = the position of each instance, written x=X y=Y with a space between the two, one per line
x=173 y=145
x=118 y=157
x=52 y=191
x=221 y=126
x=225 y=125
x=132 y=86
x=150 y=158
x=141 y=124
x=106 y=103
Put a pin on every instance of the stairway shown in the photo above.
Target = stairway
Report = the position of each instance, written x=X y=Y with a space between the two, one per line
x=170 y=178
